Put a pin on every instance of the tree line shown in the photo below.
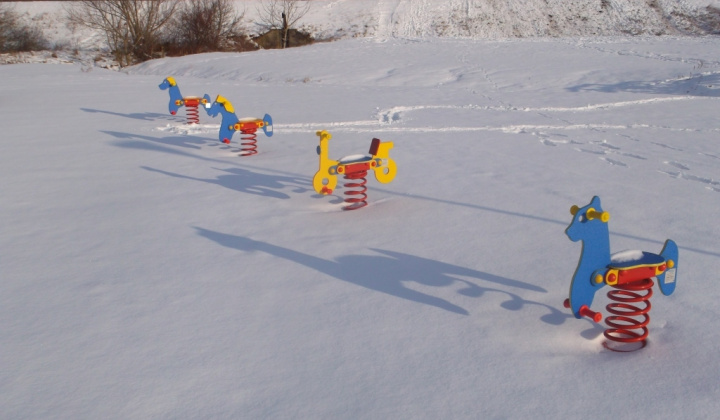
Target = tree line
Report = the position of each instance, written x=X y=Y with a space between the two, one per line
x=137 y=31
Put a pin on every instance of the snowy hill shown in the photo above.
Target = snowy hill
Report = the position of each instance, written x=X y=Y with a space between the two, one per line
x=513 y=18
x=456 y=18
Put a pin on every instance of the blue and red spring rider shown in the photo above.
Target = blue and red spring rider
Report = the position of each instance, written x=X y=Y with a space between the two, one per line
x=230 y=123
x=190 y=103
x=629 y=273
x=354 y=168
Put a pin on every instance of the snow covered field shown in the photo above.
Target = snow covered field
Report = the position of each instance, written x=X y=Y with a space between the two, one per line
x=147 y=271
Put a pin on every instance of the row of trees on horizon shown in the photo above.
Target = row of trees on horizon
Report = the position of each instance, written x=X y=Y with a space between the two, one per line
x=137 y=31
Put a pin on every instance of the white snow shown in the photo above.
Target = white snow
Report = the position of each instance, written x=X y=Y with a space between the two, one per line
x=148 y=271
x=355 y=158
x=626 y=255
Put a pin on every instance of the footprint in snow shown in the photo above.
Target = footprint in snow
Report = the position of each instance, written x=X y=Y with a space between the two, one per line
x=710 y=155
x=606 y=145
x=634 y=156
x=594 y=152
x=677 y=165
x=709 y=183
x=667 y=147
x=613 y=162
x=551 y=139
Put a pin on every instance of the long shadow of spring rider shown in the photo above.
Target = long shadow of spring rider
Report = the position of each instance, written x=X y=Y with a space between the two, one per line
x=630 y=274
x=355 y=169
x=395 y=273
x=177 y=100
x=231 y=123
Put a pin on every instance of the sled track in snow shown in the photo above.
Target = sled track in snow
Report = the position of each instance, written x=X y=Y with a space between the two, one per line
x=390 y=120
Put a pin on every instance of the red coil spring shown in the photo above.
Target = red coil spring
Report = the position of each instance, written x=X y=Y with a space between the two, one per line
x=627 y=327
x=248 y=142
x=193 y=116
x=356 y=198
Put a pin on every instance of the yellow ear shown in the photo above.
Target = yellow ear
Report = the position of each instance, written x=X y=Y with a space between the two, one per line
x=171 y=80
x=224 y=102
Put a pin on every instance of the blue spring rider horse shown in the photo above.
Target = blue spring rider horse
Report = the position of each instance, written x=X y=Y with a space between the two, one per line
x=177 y=100
x=231 y=123
x=630 y=273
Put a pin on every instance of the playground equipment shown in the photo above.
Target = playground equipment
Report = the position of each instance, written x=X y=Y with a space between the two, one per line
x=630 y=274
x=231 y=123
x=355 y=169
x=191 y=103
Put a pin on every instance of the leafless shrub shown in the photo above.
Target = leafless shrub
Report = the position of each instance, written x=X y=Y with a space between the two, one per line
x=132 y=28
x=206 y=25
x=710 y=20
x=15 y=36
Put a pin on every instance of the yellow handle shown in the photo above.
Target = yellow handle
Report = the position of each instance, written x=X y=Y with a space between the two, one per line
x=594 y=214
x=323 y=134
x=591 y=214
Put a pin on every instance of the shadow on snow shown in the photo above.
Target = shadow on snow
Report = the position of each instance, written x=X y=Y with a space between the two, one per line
x=246 y=181
x=131 y=141
x=145 y=116
x=140 y=142
x=398 y=269
x=697 y=85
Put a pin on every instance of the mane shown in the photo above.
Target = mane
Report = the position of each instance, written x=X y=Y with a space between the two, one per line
x=171 y=81
x=226 y=104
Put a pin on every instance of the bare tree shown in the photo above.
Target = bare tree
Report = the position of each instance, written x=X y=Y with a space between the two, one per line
x=206 y=25
x=132 y=27
x=282 y=14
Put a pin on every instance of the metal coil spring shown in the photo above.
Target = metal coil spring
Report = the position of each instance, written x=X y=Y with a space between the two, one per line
x=193 y=115
x=248 y=142
x=356 y=198
x=627 y=326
